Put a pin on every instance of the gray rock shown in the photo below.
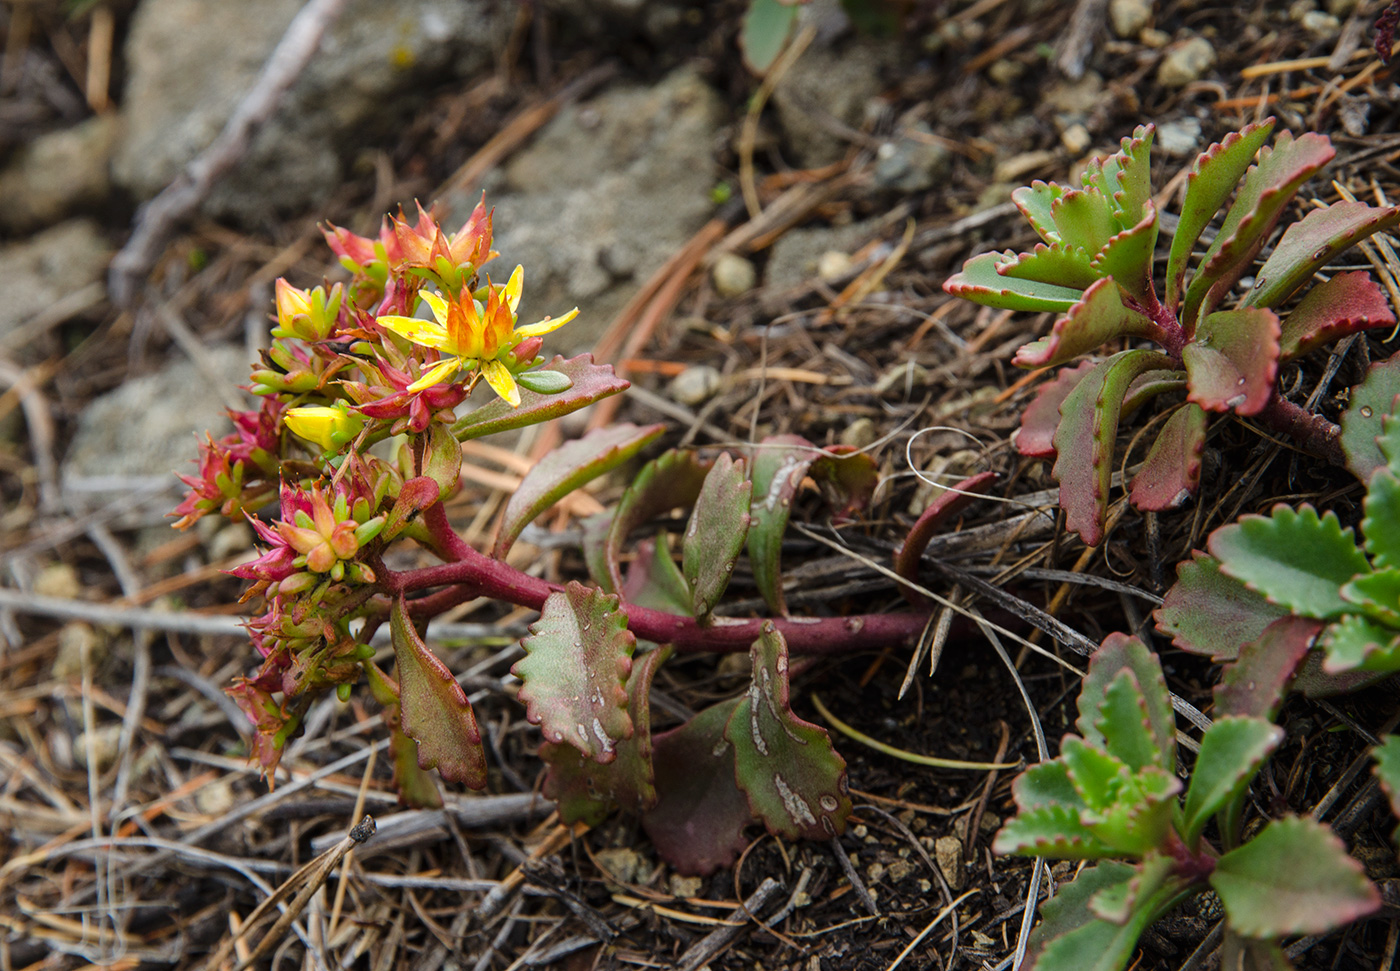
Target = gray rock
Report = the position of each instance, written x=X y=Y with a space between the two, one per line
x=1186 y=62
x=56 y=174
x=1323 y=26
x=190 y=62
x=836 y=84
x=695 y=385
x=1179 y=137
x=606 y=193
x=912 y=161
x=1128 y=17
x=150 y=426
x=38 y=272
x=798 y=254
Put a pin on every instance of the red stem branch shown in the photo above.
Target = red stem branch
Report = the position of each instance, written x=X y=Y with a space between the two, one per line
x=1313 y=432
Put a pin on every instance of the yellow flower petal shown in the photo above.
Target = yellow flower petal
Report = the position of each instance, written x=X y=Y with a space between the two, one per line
x=545 y=326
x=436 y=374
x=502 y=381
x=428 y=333
x=513 y=287
x=436 y=304
x=321 y=424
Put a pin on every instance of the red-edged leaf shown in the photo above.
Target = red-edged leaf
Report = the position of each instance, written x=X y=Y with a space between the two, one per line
x=779 y=465
x=1125 y=176
x=1085 y=437
x=715 y=535
x=416 y=495
x=1371 y=401
x=1232 y=751
x=794 y=780
x=1052 y=831
x=1343 y=305
x=1213 y=176
x=1312 y=681
x=1084 y=218
x=433 y=708
x=1356 y=643
x=1149 y=385
x=1034 y=201
x=1387 y=756
x=572 y=677
x=1311 y=243
x=1070 y=938
x=1101 y=717
x=1209 y=613
x=981 y=283
x=846 y=478
x=1036 y=436
x=1127 y=257
x=1093 y=321
x=415 y=785
x=698 y=822
x=1256 y=682
x=1233 y=360
x=586 y=790
x=1293 y=878
x=1172 y=470
x=654 y=581
x=1066 y=266
x=668 y=482
x=590 y=382
x=564 y=469
x=1267 y=189
x=947 y=505
x=1381 y=525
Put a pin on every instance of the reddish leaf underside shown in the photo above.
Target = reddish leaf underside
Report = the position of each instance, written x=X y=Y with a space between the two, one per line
x=947 y=505
x=794 y=780
x=1093 y=321
x=1172 y=470
x=1345 y=304
x=1311 y=243
x=1256 y=682
x=573 y=674
x=1233 y=360
x=1035 y=437
x=846 y=478
x=433 y=708
x=590 y=382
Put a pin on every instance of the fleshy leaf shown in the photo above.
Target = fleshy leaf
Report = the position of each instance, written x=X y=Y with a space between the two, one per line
x=667 y=482
x=1149 y=385
x=778 y=467
x=718 y=527
x=1098 y=777
x=1312 y=680
x=1117 y=904
x=1345 y=304
x=1084 y=218
x=1070 y=938
x=1171 y=472
x=1256 y=682
x=572 y=677
x=1127 y=257
x=1117 y=653
x=587 y=790
x=1213 y=176
x=1294 y=558
x=1355 y=643
x=416 y=785
x=1035 y=437
x=1124 y=725
x=1377 y=595
x=565 y=469
x=1381 y=524
x=1207 y=612
x=1232 y=751
x=1085 y=437
x=795 y=781
x=417 y=494
x=1034 y=201
x=1046 y=784
x=945 y=506
x=1096 y=319
x=766 y=27
x=654 y=581
x=1233 y=360
x=980 y=282
x=595 y=531
x=1140 y=816
x=442 y=459
x=433 y=709
x=697 y=824
x=1311 y=243
x=1267 y=188
x=1387 y=756
x=1125 y=176
x=1293 y=878
x=1066 y=266
x=1371 y=401
x=588 y=383
x=1051 y=831
x=846 y=478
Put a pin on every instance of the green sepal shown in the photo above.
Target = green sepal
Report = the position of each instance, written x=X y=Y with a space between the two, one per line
x=544 y=381
x=589 y=382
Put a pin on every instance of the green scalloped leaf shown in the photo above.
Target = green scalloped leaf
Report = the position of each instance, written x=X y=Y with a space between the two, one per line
x=1098 y=777
x=1171 y=472
x=655 y=582
x=1255 y=684
x=1150 y=384
x=1096 y=319
x=1070 y=938
x=670 y=481
x=585 y=790
x=943 y=508
x=1381 y=524
x=1118 y=653
x=1371 y=401
x=1293 y=878
x=1294 y=558
x=981 y=283
x=698 y=822
x=1084 y=218
x=1085 y=437
x=1355 y=643
x=1139 y=819
x=574 y=672
x=1232 y=361
x=433 y=709
x=1345 y=304
x=1387 y=756
x=1206 y=612
x=1233 y=750
x=778 y=467
x=1066 y=266
x=794 y=780
x=1124 y=724
x=594 y=541
x=1118 y=904
x=1036 y=436
x=1125 y=176
x=1127 y=256
x=765 y=31
x=1052 y=831
x=573 y=464
x=1377 y=595
x=1267 y=189
x=1311 y=243
x=718 y=527
x=1034 y=201
x=1212 y=178
x=589 y=383
x=1046 y=784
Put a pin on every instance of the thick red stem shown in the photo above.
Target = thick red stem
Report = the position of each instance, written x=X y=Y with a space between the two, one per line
x=1315 y=433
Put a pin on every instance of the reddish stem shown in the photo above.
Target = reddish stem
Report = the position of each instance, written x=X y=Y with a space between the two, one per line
x=1315 y=433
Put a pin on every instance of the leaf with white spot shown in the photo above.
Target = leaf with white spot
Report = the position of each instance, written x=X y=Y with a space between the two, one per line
x=715 y=536
x=794 y=780
x=779 y=465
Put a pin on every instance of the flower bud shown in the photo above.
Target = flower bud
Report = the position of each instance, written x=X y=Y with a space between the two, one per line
x=324 y=425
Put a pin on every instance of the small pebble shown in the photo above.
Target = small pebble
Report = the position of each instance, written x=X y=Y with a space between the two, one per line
x=1076 y=139
x=1128 y=17
x=75 y=639
x=833 y=266
x=695 y=385
x=1005 y=72
x=685 y=886
x=1179 y=137
x=1342 y=8
x=1299 y=9
x=860 y=433
x=1154 y=38
x=619 y=862
x=1011 y=169
x=58 y=580
x=1323 y=26
x=733 y=275
x=1186 y=63
x=233 y=538
x=104 y=746
x=947 y=853
x=215 y=799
